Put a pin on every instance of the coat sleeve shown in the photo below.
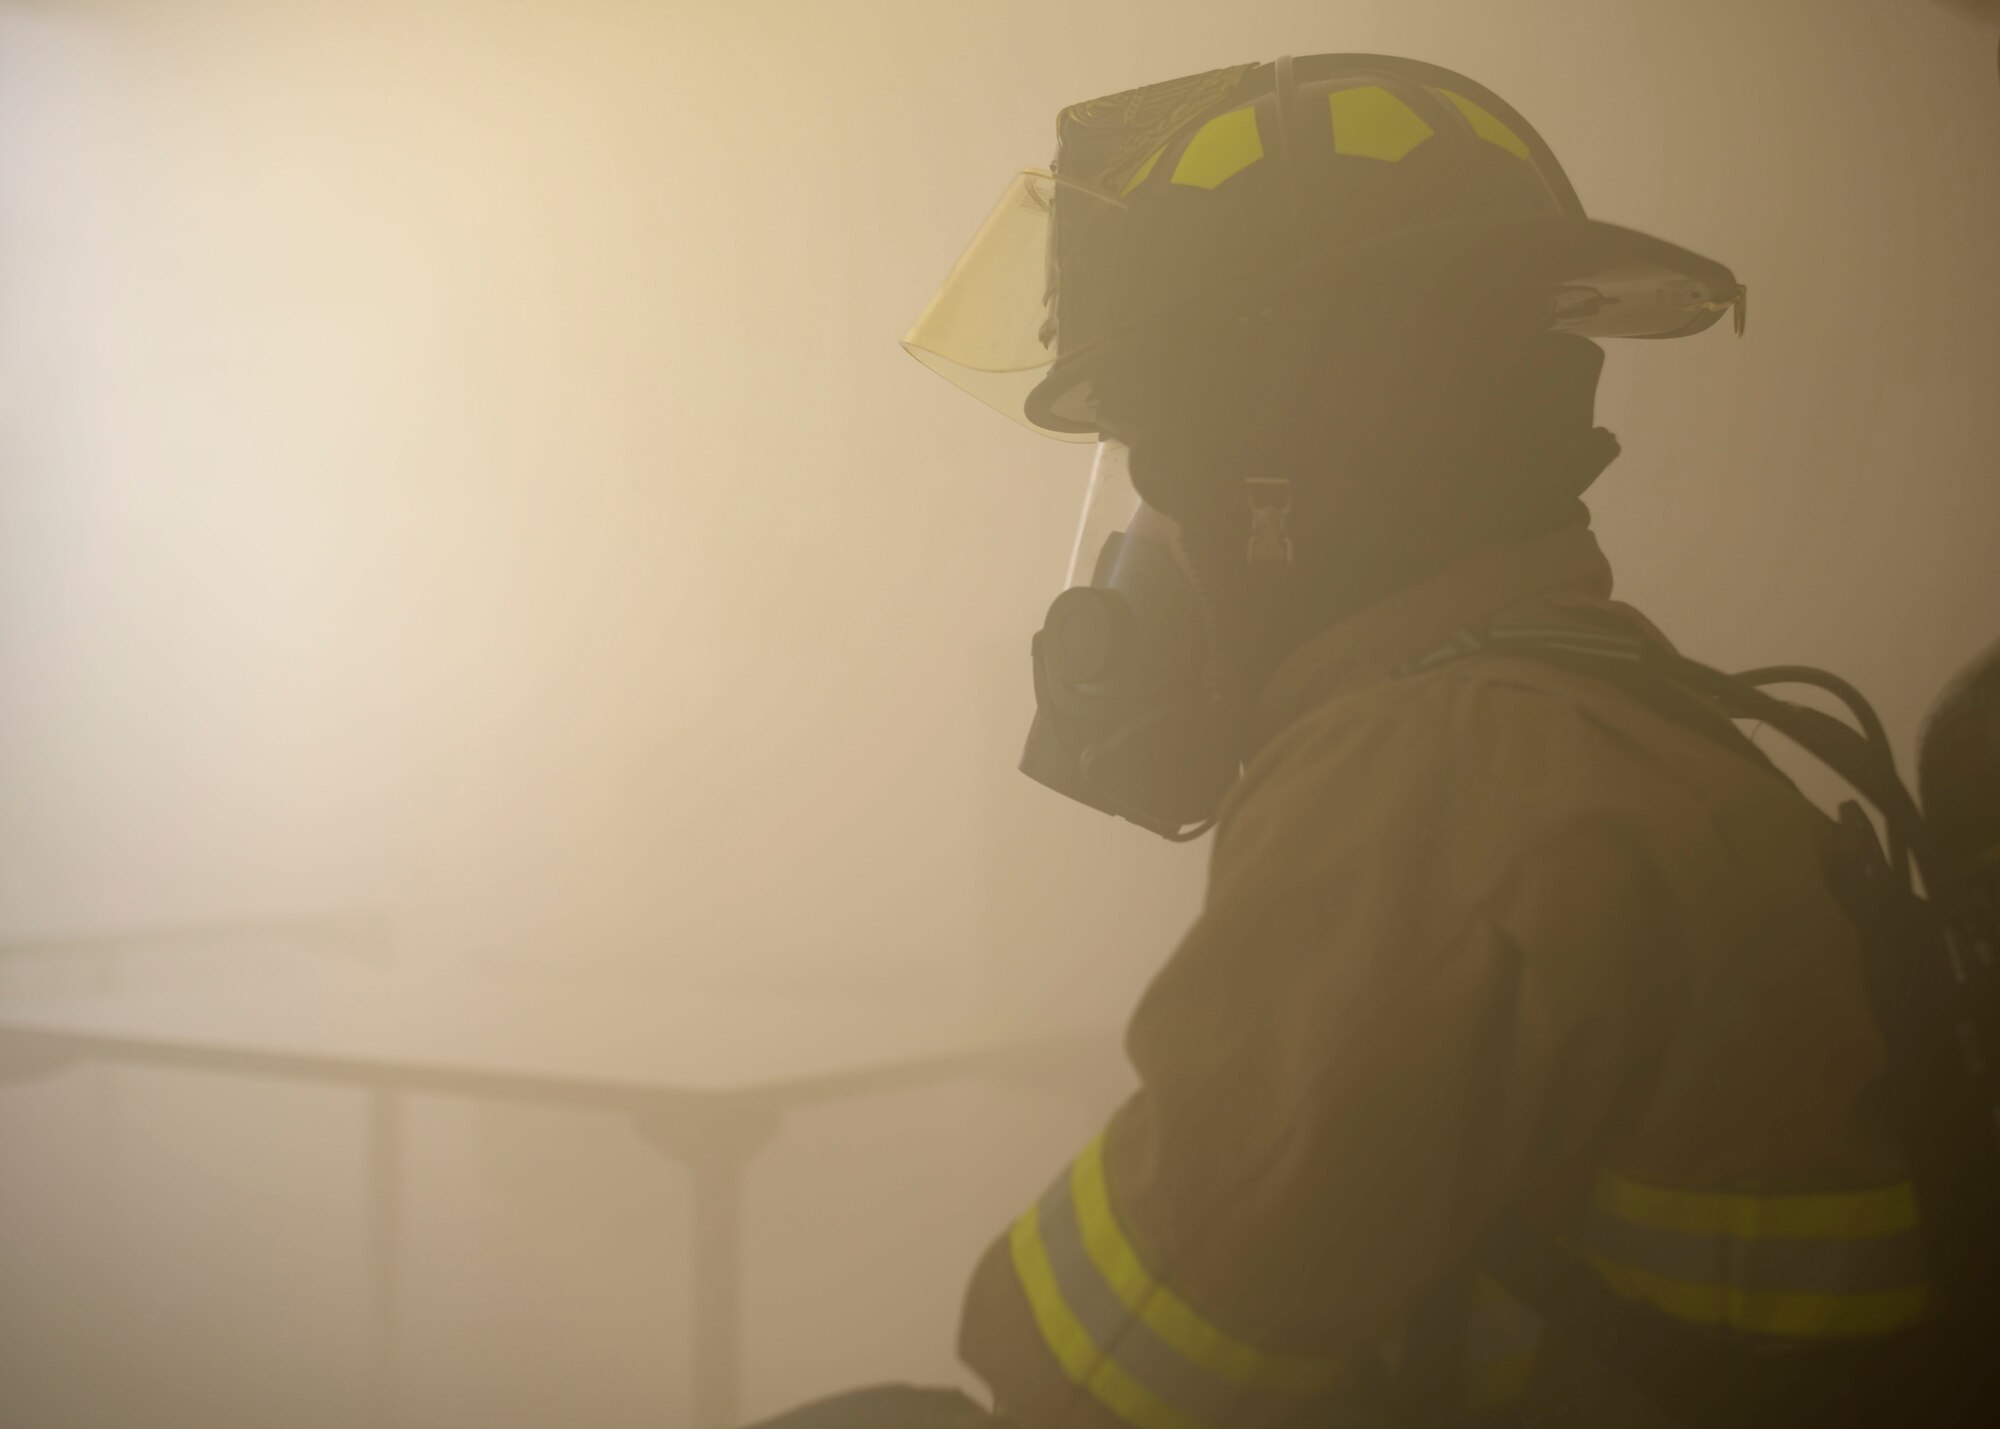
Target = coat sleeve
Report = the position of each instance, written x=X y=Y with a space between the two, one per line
x=1342 y=1081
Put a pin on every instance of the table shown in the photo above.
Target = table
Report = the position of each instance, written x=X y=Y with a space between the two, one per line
x=706 y=1078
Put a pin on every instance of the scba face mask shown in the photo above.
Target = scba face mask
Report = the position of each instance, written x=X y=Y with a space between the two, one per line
x=1127 y=720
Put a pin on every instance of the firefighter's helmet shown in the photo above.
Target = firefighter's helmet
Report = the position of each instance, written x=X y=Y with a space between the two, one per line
x=1299 y=185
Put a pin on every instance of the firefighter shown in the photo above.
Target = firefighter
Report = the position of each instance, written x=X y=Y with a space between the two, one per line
x=1494 y=949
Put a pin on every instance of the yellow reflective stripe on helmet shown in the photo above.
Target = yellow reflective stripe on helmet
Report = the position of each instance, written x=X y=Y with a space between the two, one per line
x=1371 y=123
x=1145 y=169
x=1220 y=149
x=1844 y=1215
x=1793 y=1314
x=1169 y=1317
x=1487 y=127
x=1082 y=1361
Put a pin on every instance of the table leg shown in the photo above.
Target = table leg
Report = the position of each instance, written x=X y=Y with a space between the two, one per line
x=715 y=1141
x=717 y=1293
x=384 y=1236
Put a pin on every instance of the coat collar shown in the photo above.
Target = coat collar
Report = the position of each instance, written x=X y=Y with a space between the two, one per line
x=1566 y=565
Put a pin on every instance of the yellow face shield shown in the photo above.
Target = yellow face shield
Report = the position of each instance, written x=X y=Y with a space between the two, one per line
x=989 y=330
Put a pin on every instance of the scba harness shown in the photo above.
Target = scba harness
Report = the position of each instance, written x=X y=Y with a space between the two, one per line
x=1929 y=934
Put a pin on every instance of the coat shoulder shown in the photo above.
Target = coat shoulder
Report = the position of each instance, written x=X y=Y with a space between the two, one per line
x=1472 y=767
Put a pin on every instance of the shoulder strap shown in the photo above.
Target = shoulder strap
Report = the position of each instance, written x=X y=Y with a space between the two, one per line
x=1636 y=665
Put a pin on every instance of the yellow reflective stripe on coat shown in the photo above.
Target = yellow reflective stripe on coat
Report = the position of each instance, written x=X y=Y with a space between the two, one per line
x=1842 y=1215
x=1164 y=1312
x=1835 y=1265
x=1220 y=149
x=1082 y=1360
x=1503 y=1337
x=1790 y=1316
x=1128 y=1341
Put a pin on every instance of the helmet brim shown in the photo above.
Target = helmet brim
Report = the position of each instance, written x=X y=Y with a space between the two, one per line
x=1598 y=279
